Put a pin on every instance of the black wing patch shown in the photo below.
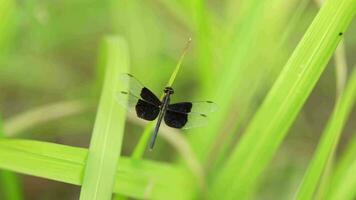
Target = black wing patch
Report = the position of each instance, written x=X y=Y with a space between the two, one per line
x=175 y=119
x=145 y=110
x=183 y=107
x=138 y=98
x=147 y=95
x=198 y=107
x=186 y=115
x=134 y=87
x=184 y=120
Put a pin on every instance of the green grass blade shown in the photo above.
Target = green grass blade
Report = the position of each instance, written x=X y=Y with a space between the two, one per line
x=284 y=101
x=328 y=142
x=341 y=75
x=177 y=68
x=9 y=181
x=142 y=143
x=343 y=182
x=139 y=179
x=105 y=145
x=11 y=186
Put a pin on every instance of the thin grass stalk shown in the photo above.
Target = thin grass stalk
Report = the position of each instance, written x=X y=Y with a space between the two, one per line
x=10 y=182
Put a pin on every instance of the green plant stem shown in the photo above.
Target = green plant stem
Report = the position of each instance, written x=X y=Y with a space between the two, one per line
x=142 y=143
x=12 y=189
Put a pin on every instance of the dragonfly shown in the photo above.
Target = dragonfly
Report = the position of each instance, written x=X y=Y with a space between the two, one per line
x=146 y=105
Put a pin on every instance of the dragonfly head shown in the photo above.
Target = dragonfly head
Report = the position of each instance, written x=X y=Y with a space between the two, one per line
x=168 y=90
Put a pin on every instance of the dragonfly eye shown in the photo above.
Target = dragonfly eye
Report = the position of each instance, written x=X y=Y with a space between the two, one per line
x=168 y=90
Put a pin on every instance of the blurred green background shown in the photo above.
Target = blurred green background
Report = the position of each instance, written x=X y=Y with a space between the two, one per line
x=49 y=51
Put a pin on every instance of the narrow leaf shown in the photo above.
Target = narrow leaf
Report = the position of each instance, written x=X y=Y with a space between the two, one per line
x=328 y=142
x=105 y=145
x=284 y=101
x=139 y=179
x=343 y=182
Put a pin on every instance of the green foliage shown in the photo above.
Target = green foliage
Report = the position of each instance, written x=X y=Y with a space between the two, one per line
x=140 y=179
x=342 y=185
x=52 y=91
x=284 y=101
x=329 y=140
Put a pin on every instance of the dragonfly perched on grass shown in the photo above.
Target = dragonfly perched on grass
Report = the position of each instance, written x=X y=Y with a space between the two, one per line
x=142 y=101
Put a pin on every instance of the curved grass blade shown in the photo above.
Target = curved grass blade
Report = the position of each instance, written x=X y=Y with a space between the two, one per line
x=328 y=142
x=267 y=129
x=105 y=145
x=139 y=179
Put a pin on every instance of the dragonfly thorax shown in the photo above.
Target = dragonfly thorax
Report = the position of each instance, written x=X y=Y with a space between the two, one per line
x=168 y=90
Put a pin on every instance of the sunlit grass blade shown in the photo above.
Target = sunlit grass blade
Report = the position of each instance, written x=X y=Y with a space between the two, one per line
x=105 y=145
x=11 y=187
x=271 y=122
x=138 y=179
x=343 y=182
x=328 y=142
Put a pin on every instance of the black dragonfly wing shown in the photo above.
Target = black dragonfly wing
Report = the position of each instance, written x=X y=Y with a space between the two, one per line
x=198 y=107
x=186 y=115
x=138 y=99
x=137 y=89
x=181 y=120
x=142 y=108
